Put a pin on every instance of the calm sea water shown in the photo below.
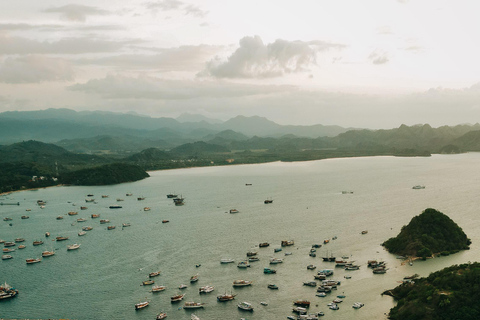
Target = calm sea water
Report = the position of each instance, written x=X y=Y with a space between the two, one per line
x=102 y=280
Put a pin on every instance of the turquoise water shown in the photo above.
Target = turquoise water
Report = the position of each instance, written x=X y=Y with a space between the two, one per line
x=102 y=280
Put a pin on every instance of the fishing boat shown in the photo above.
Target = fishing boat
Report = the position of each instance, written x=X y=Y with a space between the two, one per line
x=285 y=243
x=193 y=305
x=245 y=306
x=226 y=260
x=267 y=201
x=242 y=283
x=269 y=271
x=74 y=246
x=37 y=242
x=87 y=228
x=161 y=316
x=59 y=217
x=7 y=291
x=72 y=213
x=6 y=257
x=81 y=220
x=299 y=310
x=154 y=274
x=253 y=259
x=22 y=246
x=234 y=211
x=158 y=288
x=103 y=221
x=148 y=282
x=194 y=278
x=31 y=261
x=206 y=289
x=110 y=227
x=276 y=260
x=311 y=267
x=141 y=305
x=61 y=238
x=272 y=286
x=264 y=244
x=179 y=201
x=177 y=297
x=82 y=233
x=115 y=206
x=47 y=253
x=364 y=232
x=89 y=200
x=263 y=303
x=417 y=187
x=226 y=297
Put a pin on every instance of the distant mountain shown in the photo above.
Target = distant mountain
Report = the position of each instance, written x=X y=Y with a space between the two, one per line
x=197 y=148
x=148 y=155
x=188 y=117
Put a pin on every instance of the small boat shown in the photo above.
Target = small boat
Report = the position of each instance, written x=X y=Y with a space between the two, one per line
x=37 y=242
x=302 y=303
x=269 y=271
x=277 y=249
x=253 y=259
x=276 y=260
x=364 y=232
x=6 y=257
x=61 y=238
x=115 y=206
x=148 y=282
x=7 y=291
x=6 y=250
x=263 y=303
x=267 y=201
x=311 y=267
x=74 y=246
x=19 y=240
x=326 y=241
x=22 y=246
x=264 y=244
x=47 y=253
x=310 y=283
x=124 y=225
x=83 y=208
x=242 y=283
x=193 y=305
x=417 y=187
x=110 y=227
x=299 y=310
x=72 y=213
x=165 y=221
x=334 y=306
x=31 y=261
x=245 y=306
x=129 y=194
x=119 y=199
x=158 y=288
x=89 y=200
x=47 y=234
x=321 y=294
x=226 y=297
x=103 y=221
x=140 y=198
x=243 y=264
x=59 y=217
x=194 y=278
x=154 y=274
x=206 y=289
x=337 y=300
x=7 y=219
x=226 y=260
x=141 y=305
x=234 y=211
x=252 y=253
x=171 y=196
x=178 y=201
x=285 y=243
x=161 y=316
x=272 y=286
x=24 y=217
x=193 y=316
x=147 y=209
x=81 y=220
x=87 y=228
x=177 y=297
x=82 y=233
x=183 y=286
x=104 y=196
x=357 y=305
x=347 y=192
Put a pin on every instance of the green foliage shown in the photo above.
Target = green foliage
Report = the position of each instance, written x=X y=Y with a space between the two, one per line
x=430 y=232
x=104 y=175
x=451 y=293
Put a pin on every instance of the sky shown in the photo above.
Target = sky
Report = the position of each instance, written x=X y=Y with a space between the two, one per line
x=370 y=63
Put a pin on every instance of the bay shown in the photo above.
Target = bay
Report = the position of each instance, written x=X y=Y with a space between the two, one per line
x=102 y=280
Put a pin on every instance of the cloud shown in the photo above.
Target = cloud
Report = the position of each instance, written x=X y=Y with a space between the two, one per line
x=35 y=69
x=77 y=12
x=20 y=45
x=254 y=59
x=143 y=87
x=378 y=57
x=184 y=58
x=171 y=5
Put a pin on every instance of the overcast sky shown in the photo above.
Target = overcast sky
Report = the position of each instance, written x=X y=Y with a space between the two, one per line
x=369 y=63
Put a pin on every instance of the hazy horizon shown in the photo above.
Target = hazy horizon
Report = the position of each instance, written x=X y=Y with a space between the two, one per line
x=371 y=64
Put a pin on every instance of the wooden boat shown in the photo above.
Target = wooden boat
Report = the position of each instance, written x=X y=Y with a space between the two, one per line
x=264 y=244
x=177 y=297
x=148 y=282
x=37 y=242
x=161 y=316
x=74 y=246
x=242 y=283
x=234 y=211
x=154 y=274
x=225 y=297
x=141 y=305
x=302 y=303
x=287 y=243
x=31 y=261
x=61 y=238
x=72 y=213
x=245 y=306
x=165 y=221
x=47 y=253
x=158 y=288
x=110 y=227
x=193 y=305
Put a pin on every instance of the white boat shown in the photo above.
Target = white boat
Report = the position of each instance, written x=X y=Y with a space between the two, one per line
x=6 y=257
x=226 y=260
x=357 y=305
x=245 y=306
x=161 y=316
x=242 y=283
x=82 y=233
x=183 y=286
x=193 y=305
x=30 y=261
x=177 y=297
x=158 y=288
x=48 y=253
x=206 y=289
x=141 y=305
x=74 y=246
x=275 y=260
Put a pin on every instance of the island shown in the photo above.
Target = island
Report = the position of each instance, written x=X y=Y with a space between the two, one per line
x=451 y=293
x=430 y=233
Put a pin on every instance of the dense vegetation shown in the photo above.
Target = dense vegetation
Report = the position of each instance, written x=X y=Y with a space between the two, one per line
x=429 y=233
x=452 y=293
x=20 y=175
x=104 y=175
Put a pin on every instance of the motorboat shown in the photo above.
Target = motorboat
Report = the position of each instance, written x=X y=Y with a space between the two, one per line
x=81 y=220
x=154 y=274
x=31 y=261
x=275 y=260
x=22 y=246
x=285 y=243
x=226 y=260
x=47 y=253
x=242 y=283
x=194 y=278
x=74 y=246
x=311 y=267
x=158 y=288
x=72 y=213
x=182 y=286
x=269 y=271
x=95 y=215
x=264 y=244
x=161 y=316
x=61 y=238
x=87 y=228
x=177 y=297
x=82 y=233
x=7 y=291
x=251 y=253
x=141 y=305
x=253 y=259
x=103 y=221
x=206 y=289
x=59 y=217
x=9 y=244
x=234 y=211
x=299 y=310
x=272 y=286
x=243 y=264
x=37 y=242
x=302 y=303
x=226 y=297
x=124 y=225
x=193 y=316
x=19 y=239
x=357 y=305
x=115 y=206
x=6 y=257
x=147 y=209
x=110 y=227
x=245 y=306
x=193 y=305
x=148 y=282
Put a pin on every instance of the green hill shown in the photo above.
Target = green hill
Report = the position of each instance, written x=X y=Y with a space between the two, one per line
x=429 y=233
x=451 y=293
x=104 y=175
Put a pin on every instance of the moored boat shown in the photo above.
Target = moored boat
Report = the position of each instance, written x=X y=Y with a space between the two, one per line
x=245 y=306
x=206 y=289
x=141 y=305
x=61 y=238
x=47 y=253
x=275 y=260
x=37 y=242
x=115 y=206
x=272 y=286
x=194 y=278
x=154 y=274
x=285 y=243
x=6 y=257
x=226 y=260
x=59 y=217
x=19 y=239
x=234 y=211
x=82 y=233
x=74 y=246
x=177 y=297
x=110 y=227
x=243 y=264
x=165 y=221
x=7 y=291
x=81 y=220
x=47 y=234
x=302 y=303
x=226 y=297
x=148 y=282
x=269 y=271
x=193 y=305
x=9 y=244
x=161 y=316
x=87 y=228
x=72 y=213
x=24 y=217
x=264 y=244
x=158 y=288
x=103 y=221
x=95 y=215
x=242 y=283
x=147 y=209
x=31 y=261
x=22 y=246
